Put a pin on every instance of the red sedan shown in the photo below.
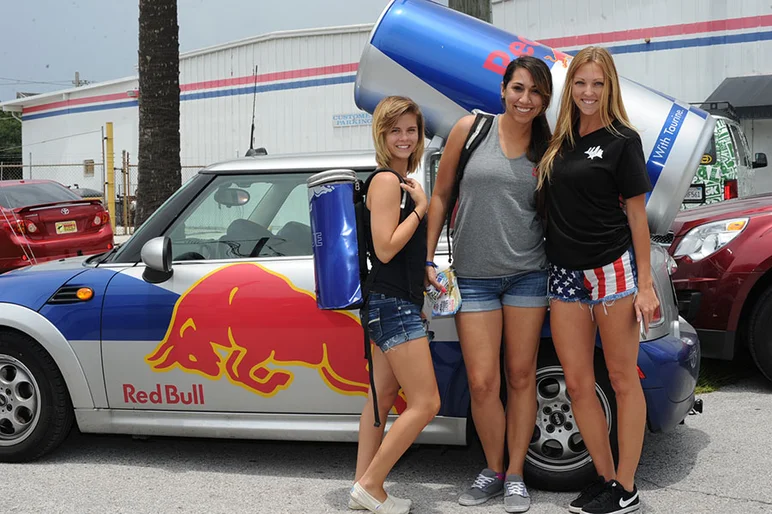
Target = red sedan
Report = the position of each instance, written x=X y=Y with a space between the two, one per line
x=41 y=220
x=724 y=277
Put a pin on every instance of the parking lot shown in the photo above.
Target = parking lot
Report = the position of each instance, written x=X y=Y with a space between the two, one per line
x=717 y=462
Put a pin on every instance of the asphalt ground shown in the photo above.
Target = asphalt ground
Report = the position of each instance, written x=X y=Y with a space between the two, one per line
x=716 y=462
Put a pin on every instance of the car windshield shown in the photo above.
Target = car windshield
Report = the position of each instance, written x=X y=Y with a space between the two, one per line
x=24 y=195
x=120 y=249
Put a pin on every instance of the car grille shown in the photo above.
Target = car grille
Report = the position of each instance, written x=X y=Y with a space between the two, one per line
x=664 y=240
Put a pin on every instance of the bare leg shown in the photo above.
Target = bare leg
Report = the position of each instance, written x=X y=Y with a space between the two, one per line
x=573 y=333
x=522 y=327
x=411 y=363
x=619 y=333
x=480 y=337
x=369 y=436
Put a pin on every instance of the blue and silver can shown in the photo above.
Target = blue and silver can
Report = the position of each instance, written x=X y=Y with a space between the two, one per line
x=452 y=64
x=334 y=231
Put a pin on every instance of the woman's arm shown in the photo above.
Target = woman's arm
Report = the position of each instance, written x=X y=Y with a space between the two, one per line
x=443 y=185
x=383 y=198
x=646 y=302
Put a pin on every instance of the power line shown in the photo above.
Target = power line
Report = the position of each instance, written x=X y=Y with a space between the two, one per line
x=52 y=139
x=24 y=81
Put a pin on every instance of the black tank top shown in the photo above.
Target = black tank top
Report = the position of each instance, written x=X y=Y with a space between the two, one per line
x=403 y=275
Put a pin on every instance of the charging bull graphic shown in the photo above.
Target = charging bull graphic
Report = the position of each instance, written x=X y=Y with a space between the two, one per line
x=250 y=325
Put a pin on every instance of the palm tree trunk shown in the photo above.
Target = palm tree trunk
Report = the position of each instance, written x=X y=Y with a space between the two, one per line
x=159 y=105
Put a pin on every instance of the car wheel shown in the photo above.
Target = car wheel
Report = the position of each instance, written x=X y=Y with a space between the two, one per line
x=35 y=409
x=760 y=334
x=557 y=459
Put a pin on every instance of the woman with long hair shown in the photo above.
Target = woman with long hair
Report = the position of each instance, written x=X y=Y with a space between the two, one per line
x=397 y=244
x=500 y=262
x=595 y=178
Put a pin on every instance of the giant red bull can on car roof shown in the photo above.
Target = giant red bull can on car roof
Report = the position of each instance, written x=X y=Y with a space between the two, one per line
x=452 y=64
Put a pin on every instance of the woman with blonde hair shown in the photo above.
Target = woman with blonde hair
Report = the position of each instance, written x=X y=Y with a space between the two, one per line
x=396 y=231
x=600 y=278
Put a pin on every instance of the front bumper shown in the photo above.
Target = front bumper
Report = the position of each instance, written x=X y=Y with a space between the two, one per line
x=671 y=365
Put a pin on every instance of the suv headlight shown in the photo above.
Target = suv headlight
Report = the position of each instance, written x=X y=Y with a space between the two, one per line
x=707 y=239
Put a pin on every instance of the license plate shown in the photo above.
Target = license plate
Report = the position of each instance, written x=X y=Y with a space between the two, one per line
x=695 y=194
x=66 y=227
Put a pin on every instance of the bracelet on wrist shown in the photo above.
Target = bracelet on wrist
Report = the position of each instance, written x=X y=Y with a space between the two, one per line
x=418 y=215
x=431 y=263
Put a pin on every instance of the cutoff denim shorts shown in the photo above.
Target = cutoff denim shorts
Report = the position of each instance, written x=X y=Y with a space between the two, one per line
x=527 y=289
x=393 y=321
x=594 y=286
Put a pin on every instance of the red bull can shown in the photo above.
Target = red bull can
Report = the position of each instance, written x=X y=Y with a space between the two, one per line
x=334 y=239
x=452 y=64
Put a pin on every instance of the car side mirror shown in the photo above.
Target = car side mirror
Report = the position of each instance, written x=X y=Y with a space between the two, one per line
x=760 y=161
x=231 y=197
x=156 y=254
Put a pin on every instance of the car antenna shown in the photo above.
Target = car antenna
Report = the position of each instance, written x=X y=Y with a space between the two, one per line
x=260 y=151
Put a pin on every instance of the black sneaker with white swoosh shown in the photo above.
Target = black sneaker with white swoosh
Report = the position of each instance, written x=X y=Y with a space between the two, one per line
x=614 y=500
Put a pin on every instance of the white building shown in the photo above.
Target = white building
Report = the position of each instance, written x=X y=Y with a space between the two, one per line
x=302 y=93
x=305 y=81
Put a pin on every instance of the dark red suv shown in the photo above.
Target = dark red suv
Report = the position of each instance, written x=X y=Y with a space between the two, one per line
x=41 y=220
x=724 y=277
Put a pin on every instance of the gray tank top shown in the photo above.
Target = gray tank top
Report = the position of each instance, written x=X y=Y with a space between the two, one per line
x=497 y=231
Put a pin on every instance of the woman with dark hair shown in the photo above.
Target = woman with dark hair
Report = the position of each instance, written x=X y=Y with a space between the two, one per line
x=500 y=262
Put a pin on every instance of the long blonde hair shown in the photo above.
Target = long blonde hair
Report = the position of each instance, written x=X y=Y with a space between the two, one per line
x=385 y=116
x=611 y=106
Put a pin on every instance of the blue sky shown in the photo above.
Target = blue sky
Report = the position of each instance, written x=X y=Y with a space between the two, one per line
x=44 y=42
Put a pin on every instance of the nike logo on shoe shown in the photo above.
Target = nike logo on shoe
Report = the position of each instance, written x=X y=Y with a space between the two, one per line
x=624 y=504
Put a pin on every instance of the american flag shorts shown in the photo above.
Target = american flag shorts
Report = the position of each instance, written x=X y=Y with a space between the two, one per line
x=593 y=286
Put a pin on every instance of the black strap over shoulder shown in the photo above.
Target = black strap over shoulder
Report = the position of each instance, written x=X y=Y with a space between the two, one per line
x=364 y=313
x=480 y=127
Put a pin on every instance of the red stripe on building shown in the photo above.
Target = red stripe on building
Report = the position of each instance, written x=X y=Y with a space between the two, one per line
x=271 y=77
x=659 y=32
x=77 y=101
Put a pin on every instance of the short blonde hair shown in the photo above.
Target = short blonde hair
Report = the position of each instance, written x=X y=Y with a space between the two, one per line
x=611 y=106
x=385 y=117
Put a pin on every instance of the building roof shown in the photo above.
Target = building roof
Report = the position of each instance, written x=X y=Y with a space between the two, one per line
x=750 y=97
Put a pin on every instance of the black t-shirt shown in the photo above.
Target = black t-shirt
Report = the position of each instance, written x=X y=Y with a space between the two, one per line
x=586 y=225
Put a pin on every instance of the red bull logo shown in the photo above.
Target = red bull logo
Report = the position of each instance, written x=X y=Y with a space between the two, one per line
x=251 y=325
x=498 y=60
x=168 y=394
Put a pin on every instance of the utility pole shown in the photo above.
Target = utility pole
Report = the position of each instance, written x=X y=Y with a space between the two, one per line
x=480 y=9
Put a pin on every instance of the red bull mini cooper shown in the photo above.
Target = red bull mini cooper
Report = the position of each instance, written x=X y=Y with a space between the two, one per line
x=205 y=324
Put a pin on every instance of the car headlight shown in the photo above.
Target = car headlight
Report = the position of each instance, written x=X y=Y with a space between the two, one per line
x=707 y=239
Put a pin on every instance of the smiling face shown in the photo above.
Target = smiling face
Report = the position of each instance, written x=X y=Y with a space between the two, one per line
x=402 y=138
x=587 y=89
x=522 y=100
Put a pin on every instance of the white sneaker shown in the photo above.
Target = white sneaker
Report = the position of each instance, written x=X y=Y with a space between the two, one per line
x=366 y=501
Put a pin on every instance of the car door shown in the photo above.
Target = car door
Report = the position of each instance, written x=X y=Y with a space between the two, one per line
x=236 y=327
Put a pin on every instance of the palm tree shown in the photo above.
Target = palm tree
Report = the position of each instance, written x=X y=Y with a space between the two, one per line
x=159 y=105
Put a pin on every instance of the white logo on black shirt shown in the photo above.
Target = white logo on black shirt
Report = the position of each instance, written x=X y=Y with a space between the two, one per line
x=594 y=152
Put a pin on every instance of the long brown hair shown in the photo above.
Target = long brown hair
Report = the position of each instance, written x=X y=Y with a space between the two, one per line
x=542 y=79
x=385 y=116
x=611 y=106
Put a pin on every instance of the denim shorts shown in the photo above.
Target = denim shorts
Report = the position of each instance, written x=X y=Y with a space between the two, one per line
x=527 y=289
x=593 y=286
x=393 y=321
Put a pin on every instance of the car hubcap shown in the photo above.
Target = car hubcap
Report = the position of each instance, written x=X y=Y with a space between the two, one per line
x=556 y=444
x=19 y=401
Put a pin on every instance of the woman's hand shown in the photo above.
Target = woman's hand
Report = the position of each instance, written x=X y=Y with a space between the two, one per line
x=416 y=192
x=430 y=277
x=646 y=304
